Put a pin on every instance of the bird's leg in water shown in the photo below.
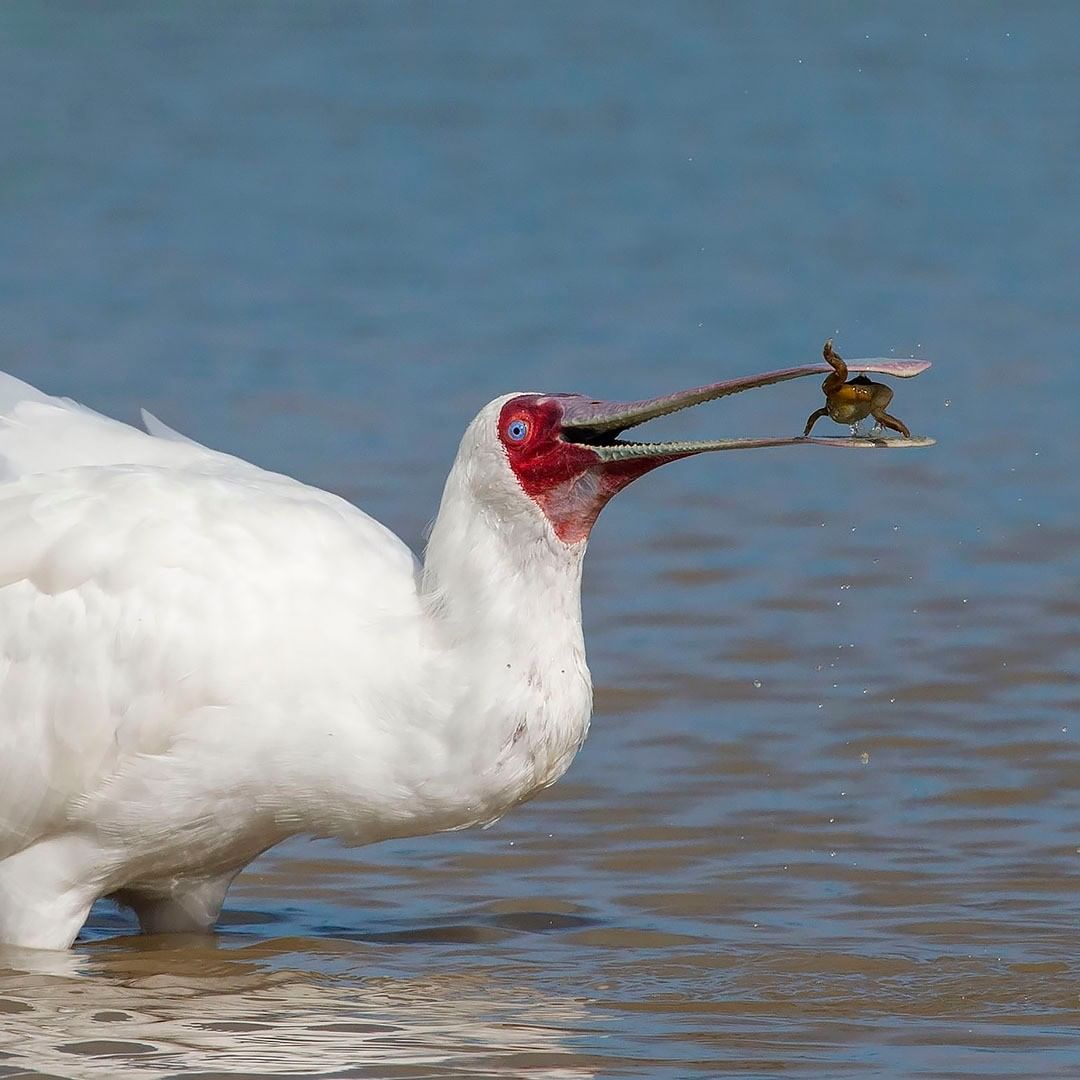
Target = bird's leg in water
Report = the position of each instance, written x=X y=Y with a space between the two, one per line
x=190 y=908
x=46 y=891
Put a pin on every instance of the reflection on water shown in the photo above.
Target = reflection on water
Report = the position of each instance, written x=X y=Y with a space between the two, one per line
x=304 y=1006
x=153 y=1012
x=826 y=820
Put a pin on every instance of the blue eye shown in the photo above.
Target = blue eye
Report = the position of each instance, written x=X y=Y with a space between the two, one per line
x=517 y=430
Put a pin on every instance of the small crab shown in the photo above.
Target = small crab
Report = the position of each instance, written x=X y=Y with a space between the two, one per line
x=849 y=401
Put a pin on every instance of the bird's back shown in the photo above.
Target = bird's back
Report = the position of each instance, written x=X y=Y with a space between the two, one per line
x=150 y=589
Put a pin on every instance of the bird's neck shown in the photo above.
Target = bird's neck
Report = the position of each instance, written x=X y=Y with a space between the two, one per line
x=503 y=597
x=493 y=583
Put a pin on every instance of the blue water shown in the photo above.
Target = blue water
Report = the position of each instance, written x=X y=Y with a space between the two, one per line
x=322 y=235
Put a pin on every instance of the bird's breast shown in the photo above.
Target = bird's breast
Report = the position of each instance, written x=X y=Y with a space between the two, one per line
x=544 y=718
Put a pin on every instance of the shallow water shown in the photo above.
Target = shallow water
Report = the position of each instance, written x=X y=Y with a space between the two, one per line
x=826 y=820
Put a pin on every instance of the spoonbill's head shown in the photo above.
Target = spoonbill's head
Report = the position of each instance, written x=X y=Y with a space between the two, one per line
x=566 y=455
x=570 y=468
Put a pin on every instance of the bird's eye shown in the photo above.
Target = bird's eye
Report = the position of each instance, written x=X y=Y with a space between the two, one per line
x=517 y=430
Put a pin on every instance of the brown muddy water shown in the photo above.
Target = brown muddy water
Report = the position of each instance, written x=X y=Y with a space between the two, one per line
x=827 y=822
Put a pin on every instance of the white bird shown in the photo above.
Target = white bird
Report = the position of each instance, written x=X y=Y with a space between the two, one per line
x=199 y=659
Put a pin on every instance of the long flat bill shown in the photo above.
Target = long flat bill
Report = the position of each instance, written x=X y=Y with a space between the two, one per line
x=866 y=442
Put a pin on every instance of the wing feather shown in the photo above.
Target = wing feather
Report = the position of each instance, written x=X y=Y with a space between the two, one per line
x=144 y=580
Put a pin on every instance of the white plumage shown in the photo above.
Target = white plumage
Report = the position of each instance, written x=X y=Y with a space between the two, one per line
x=199 y=658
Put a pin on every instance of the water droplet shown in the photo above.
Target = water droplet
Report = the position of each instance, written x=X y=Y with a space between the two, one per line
x=948 y=402
x=864 y=758
x=757 y=684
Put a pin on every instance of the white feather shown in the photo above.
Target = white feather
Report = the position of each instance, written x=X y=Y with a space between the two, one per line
x=199 y=658
x=161 y=430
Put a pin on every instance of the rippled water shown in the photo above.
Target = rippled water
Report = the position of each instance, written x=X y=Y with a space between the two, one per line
x=827 y=819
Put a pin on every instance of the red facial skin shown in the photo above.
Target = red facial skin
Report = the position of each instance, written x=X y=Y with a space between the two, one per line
x=568 y=481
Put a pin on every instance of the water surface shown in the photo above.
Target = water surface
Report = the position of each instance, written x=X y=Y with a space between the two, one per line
x=826 y=820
